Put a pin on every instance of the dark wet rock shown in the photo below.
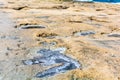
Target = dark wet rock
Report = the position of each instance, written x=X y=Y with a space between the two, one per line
x=84 y=33
x=114 y=35
x=50 y=57
x=32 y=26
x=47 y=73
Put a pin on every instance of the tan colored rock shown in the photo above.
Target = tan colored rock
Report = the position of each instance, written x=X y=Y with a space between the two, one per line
x=98 y=53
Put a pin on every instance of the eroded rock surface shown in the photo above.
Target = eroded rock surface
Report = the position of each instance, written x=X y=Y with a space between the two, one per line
x=98 y=51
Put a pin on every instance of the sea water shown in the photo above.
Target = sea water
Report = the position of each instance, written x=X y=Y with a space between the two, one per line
x=110 y=1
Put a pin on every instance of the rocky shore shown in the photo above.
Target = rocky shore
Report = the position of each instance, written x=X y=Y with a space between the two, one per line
x=86 y=32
